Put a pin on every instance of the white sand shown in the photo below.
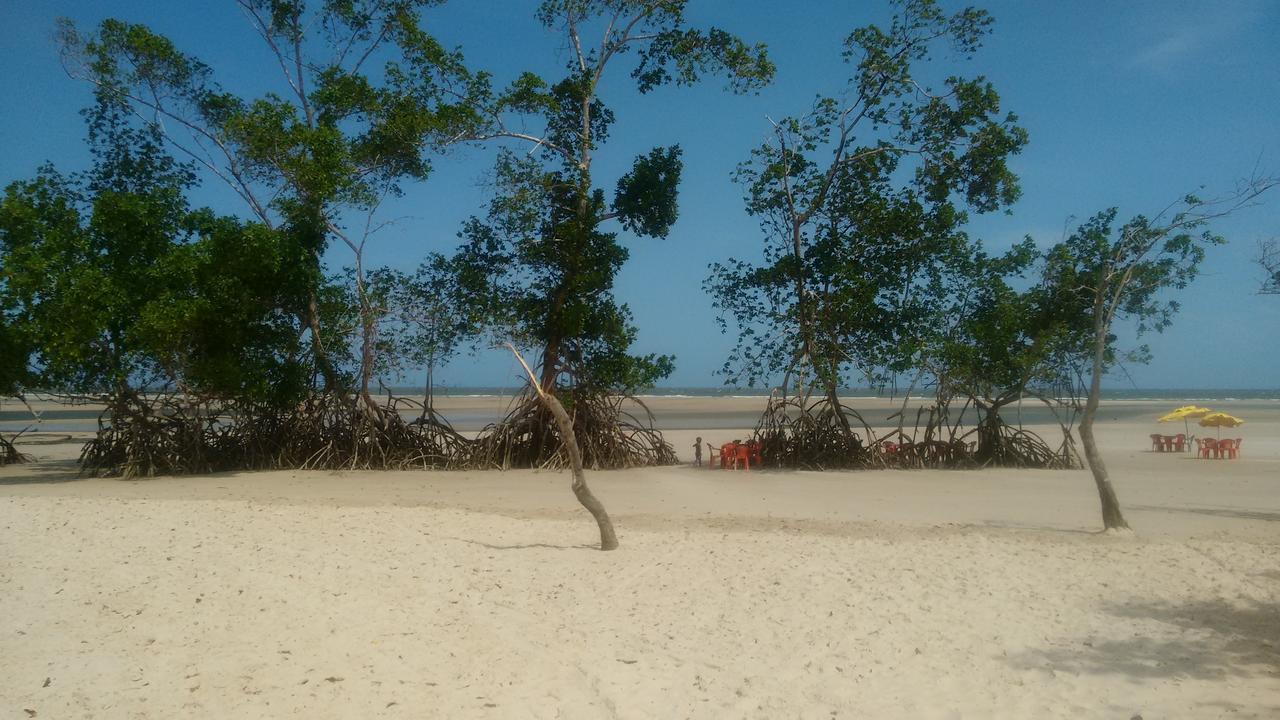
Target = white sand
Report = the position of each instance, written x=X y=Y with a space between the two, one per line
x=877 y=594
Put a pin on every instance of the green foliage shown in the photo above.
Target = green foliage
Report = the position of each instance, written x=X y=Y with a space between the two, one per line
x=540 y=262
x=646 y=197
x=862 y=250
x=1004 y=343
x=15 y=353
x=366 y=97
x=76 y=271
x=343 y=133
x=1103 y=274
x=426 y=316
x=1269 y=260
x=671 y=52
x=544 y=275
x=224 y=321
x=114 y=283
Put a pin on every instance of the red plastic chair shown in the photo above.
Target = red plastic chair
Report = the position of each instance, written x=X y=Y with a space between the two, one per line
x=1180 y=442
x=1208 y=448
x=715 y=458
x=728 y=455
x=1228 y=449
x=1157 y=442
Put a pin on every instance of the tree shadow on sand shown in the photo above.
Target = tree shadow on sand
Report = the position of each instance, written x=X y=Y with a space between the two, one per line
x=1211 y=640
x=1215 y=512
x=525 y=546
x=42 y=471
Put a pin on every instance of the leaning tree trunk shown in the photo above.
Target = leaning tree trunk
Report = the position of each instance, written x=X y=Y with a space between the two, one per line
x=608 y=539
x=311 y=317
x=1112 y=519
x=8 y=453
x=833 y=397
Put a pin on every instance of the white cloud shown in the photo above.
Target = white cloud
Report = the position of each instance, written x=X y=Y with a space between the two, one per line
x=1201 y=33
x=1167 y=52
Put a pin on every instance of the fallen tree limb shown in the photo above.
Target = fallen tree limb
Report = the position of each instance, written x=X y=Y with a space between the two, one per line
x=608 y=540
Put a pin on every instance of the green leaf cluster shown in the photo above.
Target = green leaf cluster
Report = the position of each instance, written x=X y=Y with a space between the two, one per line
x=863 y=201
x=540 y=261
x=113 y=283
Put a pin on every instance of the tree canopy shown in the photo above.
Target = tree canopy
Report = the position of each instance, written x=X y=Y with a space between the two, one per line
x=862 y=203
x=125 y=286
x=366 y=97
x=542 y=253
x=1127 y=275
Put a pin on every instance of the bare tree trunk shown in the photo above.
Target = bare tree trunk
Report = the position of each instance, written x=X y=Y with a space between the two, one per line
x=368 y=336
x=833 y=397
x=1112 y=519
x=608 y=539
x=429 y=390
x=550 y=365
x=551 y=351
x=327 y=370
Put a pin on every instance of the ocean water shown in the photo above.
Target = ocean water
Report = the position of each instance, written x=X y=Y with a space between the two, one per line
x=1170 y=394
x=15 y=418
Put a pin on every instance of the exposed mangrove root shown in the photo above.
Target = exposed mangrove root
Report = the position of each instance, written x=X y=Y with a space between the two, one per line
x=334 y=432
x=609 y=436
x=143 y=436
x=171 y=435
x=9 y=454
x=167 y=434
x=813 y=435
x=938 y=442
x=935 y=441
x=1002 y=445
x=820 y=434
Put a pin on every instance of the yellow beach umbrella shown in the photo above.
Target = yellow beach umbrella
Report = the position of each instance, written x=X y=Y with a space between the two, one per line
x=1184 y=413
x=1220 y=420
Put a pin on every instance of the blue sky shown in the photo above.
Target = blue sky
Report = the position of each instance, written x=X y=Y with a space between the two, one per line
x=1128 y=104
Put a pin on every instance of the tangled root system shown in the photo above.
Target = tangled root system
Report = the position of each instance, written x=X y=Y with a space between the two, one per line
x=1002 y=445
x=937 y=442
x=169 y=435
x=820 y=434
x=813 y=435
x=140 y=436
x=143 y=436
x=609 y=436
x=9 y=454
x=333 y=432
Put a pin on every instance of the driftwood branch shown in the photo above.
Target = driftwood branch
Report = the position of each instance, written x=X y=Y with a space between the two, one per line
x=608 y=540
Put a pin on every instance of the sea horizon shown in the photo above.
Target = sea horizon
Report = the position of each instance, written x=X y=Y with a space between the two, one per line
x=14 y=417
x=1188 y=394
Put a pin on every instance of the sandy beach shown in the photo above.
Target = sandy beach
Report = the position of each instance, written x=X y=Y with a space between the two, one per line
x=879 y=594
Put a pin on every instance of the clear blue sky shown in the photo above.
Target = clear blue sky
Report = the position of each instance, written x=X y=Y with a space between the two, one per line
x=1128 y=104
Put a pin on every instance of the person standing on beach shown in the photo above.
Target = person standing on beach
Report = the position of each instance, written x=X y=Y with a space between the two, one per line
x=697 y=451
